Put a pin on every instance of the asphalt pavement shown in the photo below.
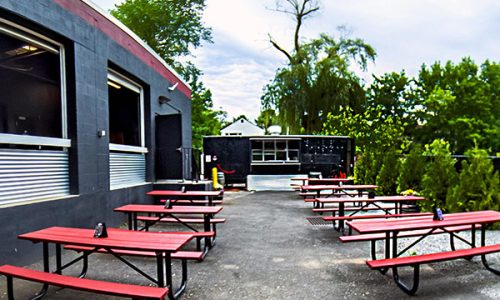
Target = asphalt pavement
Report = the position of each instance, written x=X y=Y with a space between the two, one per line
x=267 y=249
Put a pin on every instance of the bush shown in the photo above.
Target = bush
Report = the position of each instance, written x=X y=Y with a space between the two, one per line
x=478 y=187
x=388 y=174
x=411 y=170
x=366 y=167
x=440 y=176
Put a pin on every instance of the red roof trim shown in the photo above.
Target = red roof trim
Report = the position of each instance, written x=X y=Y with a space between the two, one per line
x=94 y=18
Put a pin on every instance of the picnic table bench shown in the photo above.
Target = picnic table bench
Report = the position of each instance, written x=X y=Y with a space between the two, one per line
x=393 y=256
x=83 y=284
x=163 y=245
x=417 y=260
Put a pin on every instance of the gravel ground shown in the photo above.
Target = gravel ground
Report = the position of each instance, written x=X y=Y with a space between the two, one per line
x=268 y=250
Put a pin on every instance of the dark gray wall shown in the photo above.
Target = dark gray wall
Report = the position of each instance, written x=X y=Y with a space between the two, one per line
x=88 y=52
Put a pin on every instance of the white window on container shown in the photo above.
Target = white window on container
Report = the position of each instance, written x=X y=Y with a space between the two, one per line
x=126 y=131
x=33 y=137
x=275 y=151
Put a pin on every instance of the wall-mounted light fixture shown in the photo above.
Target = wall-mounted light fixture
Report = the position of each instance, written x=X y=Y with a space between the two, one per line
x=101 y=133
x=165 y=100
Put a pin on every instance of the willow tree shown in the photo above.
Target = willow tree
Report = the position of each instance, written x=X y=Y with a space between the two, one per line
x=318 y=78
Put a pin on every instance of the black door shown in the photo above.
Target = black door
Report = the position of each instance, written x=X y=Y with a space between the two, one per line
x=169 y=147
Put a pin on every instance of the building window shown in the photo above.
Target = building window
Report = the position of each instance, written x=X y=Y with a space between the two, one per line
x=125 y=111
x=33 y=137
x=32 y=101
x=275 y=151
x=126 y=132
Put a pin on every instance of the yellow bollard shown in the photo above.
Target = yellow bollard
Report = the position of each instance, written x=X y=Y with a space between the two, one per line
x=215 y=181
x=214 y=177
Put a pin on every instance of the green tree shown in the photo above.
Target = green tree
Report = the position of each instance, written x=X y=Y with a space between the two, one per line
x=172 y=28
x=439 y=176
x=378 y=144
x=389 y=171
x=205 y=121
x=460 y=104
x=479 y=184
x=318 y=79
x=412 y=169
x=394 y=95
x=266 y=118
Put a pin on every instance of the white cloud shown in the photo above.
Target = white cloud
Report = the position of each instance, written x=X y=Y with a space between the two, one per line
x=405 y=34
x=106 y=4
x=235 y=75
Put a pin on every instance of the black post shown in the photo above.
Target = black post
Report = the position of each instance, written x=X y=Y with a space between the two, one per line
x=159 y=269
x=58 y=259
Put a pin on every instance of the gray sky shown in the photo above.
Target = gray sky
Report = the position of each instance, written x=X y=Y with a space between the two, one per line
x=405 y=34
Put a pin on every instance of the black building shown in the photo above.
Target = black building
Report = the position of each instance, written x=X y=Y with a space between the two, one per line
x=240 y=156
x=90 y=119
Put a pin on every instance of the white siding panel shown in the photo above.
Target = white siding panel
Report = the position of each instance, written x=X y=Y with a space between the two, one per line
x=126 y=169
x=32 y=175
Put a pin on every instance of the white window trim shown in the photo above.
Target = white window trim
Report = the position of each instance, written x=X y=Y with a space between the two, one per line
x=126 y=148
x=16 y=139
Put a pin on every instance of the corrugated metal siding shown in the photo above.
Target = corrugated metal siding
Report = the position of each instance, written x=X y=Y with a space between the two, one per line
x=126 y=169
x=33 y=174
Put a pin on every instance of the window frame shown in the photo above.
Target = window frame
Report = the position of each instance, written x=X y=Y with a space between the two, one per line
x=273 y=151
x=27 y=35
x=117 y=77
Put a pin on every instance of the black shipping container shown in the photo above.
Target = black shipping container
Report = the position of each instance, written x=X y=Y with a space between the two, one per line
x=239 y=156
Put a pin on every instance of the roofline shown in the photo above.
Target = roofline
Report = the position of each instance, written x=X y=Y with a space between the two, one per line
x=243 y=119
x=134 y=36
x=67 y=5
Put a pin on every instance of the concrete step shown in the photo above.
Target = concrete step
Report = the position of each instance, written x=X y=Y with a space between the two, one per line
x=271 y=182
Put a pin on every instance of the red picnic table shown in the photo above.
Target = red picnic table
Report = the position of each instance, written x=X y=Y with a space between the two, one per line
x=132 y=211
x=338 y=188
x=398 y=201
x=366 y=203
x=158 y=194
x=321 y=180
x=392 y=228
x=161 y=244
x=314 y=181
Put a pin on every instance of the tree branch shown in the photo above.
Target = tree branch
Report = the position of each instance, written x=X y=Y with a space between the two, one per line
x=300 y=9
x=301 y=12
x=279 y=48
